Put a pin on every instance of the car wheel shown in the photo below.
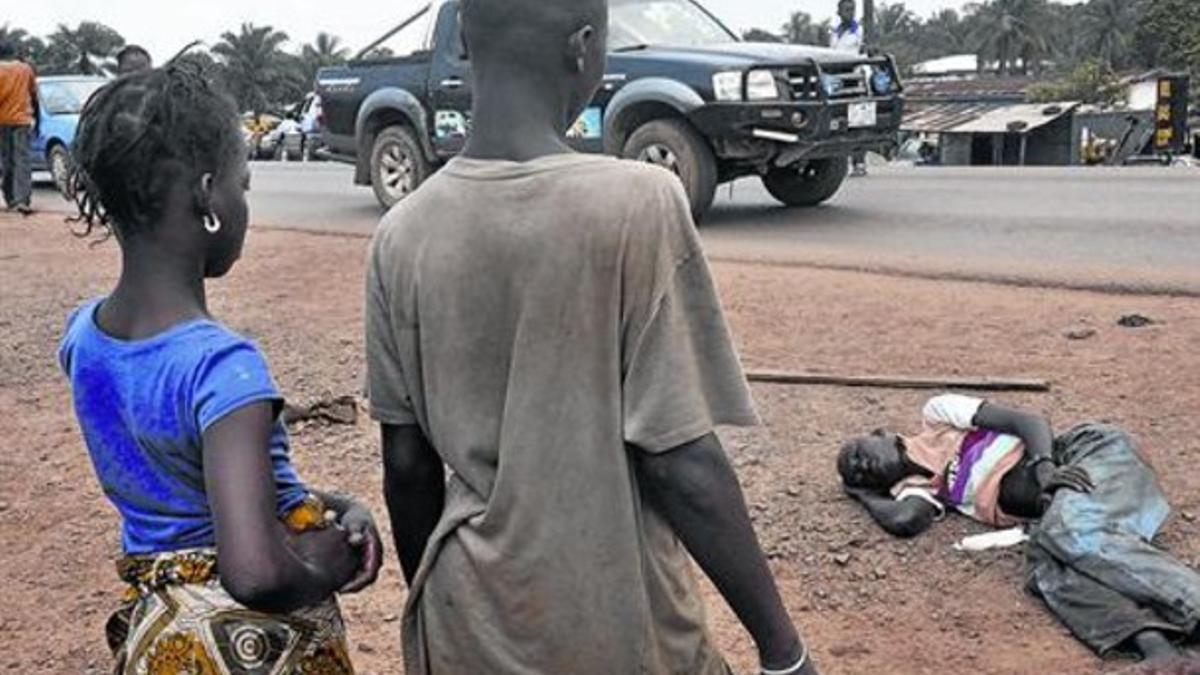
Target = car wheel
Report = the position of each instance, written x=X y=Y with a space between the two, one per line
x=398 y=165
x=59 y=162
x=674 y=145
x=809 y=184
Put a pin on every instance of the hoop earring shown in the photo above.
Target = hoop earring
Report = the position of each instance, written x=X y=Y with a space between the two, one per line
x=211 y=224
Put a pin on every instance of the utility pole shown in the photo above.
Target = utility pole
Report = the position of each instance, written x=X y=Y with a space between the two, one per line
x=870 y=39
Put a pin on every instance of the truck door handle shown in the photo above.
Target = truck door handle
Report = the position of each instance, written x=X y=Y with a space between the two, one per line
x=452 y=83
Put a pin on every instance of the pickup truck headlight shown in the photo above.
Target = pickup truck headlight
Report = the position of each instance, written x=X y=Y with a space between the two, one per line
x=727 y=86
x=761 y=86
x=881 y=82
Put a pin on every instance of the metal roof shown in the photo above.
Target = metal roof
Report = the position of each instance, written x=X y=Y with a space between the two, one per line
x=941 y=117
x=1017 y=119
x=983 y=118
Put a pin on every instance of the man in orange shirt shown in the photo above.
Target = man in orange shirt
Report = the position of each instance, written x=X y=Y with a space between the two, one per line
x=18 y=118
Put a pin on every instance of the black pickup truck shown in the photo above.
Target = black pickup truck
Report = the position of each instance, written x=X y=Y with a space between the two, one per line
x=681 y=91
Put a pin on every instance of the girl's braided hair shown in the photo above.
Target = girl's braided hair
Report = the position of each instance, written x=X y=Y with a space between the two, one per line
x=139 y=134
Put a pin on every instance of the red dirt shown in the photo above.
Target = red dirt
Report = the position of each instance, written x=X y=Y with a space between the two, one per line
x=902 y=607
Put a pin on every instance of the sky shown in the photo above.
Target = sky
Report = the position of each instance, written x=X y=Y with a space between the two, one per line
x=164 y=26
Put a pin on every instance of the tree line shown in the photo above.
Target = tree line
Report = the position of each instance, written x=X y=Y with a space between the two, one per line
x=251 y=62
x=1027 y=36
x=1085 y=44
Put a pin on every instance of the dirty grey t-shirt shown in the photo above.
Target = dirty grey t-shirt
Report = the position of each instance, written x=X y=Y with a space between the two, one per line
x=542 y=321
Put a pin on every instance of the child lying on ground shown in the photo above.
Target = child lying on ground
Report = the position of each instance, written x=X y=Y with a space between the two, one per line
x=232 y=563
x=1097 y=502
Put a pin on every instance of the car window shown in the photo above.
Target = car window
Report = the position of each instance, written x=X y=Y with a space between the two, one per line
x=66 y=98
x=673 y=23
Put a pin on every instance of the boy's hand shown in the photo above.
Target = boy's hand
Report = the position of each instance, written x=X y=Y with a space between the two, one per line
x=1051 y=478
x=356 y=522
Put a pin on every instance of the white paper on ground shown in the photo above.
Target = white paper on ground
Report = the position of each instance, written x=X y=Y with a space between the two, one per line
x=989 y=540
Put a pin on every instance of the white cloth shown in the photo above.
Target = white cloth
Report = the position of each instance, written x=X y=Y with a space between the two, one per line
x=954 y=409
x=847 y=39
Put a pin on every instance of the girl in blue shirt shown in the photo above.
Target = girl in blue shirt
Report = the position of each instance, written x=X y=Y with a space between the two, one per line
x=232 y=562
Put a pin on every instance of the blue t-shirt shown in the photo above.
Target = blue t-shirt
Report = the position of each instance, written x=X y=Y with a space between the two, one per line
x=143 y=406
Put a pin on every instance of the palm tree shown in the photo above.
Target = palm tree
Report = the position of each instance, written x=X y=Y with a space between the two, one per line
x=799 y=29
x=946 y=33
x=759 y=35
x=1108 y=27
x=20 y=39
x=1011 y=32
x=86 y=50
x=253 y=64
x=325 y=51
x=870 y=34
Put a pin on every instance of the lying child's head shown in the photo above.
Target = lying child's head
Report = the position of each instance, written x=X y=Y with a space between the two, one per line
x=161 y=163
x=874 y=462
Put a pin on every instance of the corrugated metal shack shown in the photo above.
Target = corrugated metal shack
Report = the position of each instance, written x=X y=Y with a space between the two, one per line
x=988 y=122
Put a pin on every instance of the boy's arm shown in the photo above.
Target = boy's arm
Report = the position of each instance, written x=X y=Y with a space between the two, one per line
x=414 y=485
x=1035 y=432
x=898 y=517
x=695 y=489
x=258 y=568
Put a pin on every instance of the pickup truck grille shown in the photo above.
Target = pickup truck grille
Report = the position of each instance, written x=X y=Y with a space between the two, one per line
x=806 y=84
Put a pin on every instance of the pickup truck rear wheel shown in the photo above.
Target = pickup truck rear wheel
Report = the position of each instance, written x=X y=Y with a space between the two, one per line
x=676 y=146
x=398 y=165
x=810 y=185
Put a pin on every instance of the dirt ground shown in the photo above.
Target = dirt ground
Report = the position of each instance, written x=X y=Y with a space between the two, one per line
x=866 y=602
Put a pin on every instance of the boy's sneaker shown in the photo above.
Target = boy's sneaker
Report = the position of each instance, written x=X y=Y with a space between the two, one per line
x=25 y=210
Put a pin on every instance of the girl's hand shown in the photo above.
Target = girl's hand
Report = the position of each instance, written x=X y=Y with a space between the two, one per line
x=358 y=526
x=328 y=552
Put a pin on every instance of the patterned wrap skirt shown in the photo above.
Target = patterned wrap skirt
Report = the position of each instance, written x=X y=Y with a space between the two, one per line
x=177 y=619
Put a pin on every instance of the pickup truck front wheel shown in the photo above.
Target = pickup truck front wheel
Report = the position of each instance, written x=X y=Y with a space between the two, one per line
x=398 y=166
x=676 y=146
x=809 y=185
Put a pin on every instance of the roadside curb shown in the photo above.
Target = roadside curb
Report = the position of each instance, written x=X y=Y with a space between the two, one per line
x=1145 y=289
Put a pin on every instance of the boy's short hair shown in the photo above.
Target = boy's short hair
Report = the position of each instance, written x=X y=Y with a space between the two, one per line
x=130 y=51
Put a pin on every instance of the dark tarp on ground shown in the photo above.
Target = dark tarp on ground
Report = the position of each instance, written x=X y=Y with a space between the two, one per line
x=1091 y=559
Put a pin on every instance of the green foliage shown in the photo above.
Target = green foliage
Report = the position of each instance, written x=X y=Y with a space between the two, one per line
x=87 y=49
x=257 y=72
x=325 y=51
x=760 y=35
x=1090 y=82
x=25 y=44
x=802 y=30
x=1168 y=34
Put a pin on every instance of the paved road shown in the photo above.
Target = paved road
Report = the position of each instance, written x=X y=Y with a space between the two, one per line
x=1125 y=229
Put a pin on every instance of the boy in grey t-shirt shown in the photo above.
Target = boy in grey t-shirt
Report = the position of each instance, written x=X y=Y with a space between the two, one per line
x=545 y=325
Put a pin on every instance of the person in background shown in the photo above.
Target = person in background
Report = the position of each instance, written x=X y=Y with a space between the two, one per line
x=133 y=59
x=1092 y=502
x=19 y=123
x=565 y=354
x=847 y=36
x=232 y=562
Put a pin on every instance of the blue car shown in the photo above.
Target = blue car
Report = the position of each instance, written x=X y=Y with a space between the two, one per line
x=61 y=98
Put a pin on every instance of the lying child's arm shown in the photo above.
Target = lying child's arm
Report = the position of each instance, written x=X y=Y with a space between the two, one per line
x=257 y=566
x=899 y=517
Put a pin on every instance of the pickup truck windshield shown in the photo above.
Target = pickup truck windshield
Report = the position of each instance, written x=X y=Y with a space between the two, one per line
x=635 y=24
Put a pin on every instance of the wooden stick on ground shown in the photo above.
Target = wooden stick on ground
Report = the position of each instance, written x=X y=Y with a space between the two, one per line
x=898 y=381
